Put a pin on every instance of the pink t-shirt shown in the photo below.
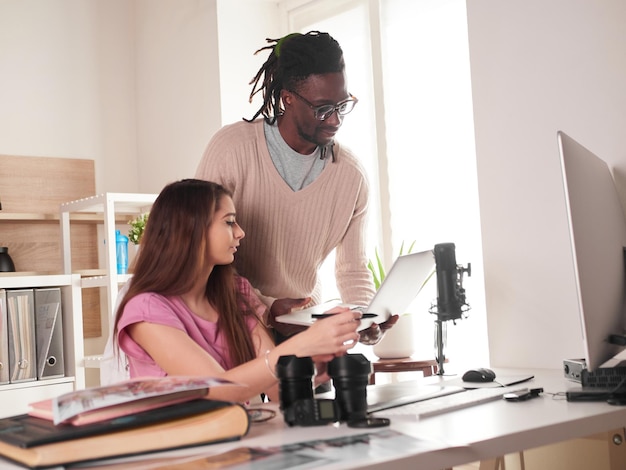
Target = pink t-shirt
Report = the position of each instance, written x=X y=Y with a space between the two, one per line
x=172 y=311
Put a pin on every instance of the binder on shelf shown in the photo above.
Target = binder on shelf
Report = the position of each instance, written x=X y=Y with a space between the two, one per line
x=21 y=329
x=4 y=339
x=49 y=333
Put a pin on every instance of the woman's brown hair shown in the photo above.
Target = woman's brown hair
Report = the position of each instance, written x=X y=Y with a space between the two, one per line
x=173 y=255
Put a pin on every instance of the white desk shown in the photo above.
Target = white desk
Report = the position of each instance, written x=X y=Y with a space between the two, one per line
x=473 y=434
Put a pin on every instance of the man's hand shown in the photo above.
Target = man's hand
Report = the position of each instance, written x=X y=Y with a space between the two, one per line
x=283 y=307
x=375 y=333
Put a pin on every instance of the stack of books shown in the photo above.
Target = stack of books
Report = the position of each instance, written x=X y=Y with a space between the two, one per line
x=131 y=417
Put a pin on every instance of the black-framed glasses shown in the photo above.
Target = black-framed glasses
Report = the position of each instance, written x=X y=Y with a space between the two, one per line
x=325 y=111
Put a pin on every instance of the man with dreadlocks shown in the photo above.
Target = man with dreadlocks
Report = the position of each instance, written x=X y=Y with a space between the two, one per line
x=297 y=191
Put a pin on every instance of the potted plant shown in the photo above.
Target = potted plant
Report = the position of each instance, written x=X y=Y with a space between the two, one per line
x=137 y=226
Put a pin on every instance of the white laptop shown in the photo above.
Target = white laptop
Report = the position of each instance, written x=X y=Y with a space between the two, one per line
x=401 y=285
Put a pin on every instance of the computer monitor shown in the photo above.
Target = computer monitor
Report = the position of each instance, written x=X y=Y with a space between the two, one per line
x=597 y=228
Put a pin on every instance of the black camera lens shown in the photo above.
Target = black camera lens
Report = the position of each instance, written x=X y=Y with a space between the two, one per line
x=295 y=379
x=350 y=374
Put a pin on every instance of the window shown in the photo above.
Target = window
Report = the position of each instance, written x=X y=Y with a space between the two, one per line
x=408 y=63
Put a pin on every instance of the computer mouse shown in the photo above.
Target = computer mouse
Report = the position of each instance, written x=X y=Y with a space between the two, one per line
x=479 y=375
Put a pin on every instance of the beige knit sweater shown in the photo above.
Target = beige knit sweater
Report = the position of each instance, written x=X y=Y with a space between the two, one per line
x=289 y=234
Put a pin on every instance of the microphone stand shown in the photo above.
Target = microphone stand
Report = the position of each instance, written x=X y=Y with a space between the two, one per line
x=451 y=303
x=441 y=339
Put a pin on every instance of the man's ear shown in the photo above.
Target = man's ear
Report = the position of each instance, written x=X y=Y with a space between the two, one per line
x=286 y=97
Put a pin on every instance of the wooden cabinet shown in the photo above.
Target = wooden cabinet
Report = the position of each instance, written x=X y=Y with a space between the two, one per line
x=15 y=397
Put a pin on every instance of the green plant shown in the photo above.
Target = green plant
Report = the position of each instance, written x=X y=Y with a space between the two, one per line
x=378 y=270
x=137 y=226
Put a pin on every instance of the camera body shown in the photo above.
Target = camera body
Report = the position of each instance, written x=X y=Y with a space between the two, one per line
x=350 y=375
x=312 y=412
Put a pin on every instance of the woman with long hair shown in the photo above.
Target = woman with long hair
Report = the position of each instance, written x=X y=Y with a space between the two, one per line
x=187 y=312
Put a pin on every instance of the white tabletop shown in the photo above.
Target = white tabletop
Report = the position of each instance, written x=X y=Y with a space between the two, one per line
x=454 y=438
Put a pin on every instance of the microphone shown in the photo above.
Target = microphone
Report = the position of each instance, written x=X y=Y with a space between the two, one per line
x=451 y=304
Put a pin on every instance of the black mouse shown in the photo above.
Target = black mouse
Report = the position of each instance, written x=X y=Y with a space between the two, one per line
x=479 y=375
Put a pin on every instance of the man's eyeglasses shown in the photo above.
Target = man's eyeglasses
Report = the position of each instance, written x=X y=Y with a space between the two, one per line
x=325 y=111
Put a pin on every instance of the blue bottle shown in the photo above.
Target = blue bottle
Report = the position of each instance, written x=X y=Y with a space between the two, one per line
x=121 y=248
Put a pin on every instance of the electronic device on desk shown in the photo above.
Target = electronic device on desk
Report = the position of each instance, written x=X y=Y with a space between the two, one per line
x=597 y=228
x=403 y=283
x=458 y=401
x=451 y=304
x=391 y=395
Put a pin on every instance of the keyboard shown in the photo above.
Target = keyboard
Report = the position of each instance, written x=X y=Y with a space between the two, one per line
x=456 y=401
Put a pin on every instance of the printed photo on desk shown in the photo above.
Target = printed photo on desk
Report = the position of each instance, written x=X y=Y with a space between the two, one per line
x=368 y=448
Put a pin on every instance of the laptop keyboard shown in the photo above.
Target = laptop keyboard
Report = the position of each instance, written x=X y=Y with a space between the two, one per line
x=447 y=403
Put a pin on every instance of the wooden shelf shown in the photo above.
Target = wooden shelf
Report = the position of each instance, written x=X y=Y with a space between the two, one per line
x=89 y=218
x=111 y=207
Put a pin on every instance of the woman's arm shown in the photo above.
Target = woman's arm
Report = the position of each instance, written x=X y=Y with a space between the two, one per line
x=177 y=354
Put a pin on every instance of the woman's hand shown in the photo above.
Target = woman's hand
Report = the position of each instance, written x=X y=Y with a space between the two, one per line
x=331 y=336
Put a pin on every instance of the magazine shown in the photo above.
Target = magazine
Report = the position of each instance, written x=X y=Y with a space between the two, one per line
x=123 y=398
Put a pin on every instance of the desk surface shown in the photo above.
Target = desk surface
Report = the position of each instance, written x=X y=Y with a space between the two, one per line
x=478 y=433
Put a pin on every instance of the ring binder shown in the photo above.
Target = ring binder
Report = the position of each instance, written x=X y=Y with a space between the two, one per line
x=21 y=333
x=4 y=339
x=49 y=333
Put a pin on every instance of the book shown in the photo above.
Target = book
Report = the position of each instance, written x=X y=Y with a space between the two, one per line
x=38 y=443
x=123 y=398
x=44 y=409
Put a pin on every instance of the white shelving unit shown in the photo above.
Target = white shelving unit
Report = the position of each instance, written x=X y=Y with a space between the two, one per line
x=108 y=205
x=14 y=398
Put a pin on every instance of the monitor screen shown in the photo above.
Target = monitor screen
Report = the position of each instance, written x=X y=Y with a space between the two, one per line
x=597 y=228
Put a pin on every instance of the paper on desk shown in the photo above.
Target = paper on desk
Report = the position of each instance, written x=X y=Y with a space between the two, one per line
x=368 y=448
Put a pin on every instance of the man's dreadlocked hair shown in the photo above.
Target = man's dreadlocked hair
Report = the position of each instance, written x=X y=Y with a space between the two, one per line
x=292 y=59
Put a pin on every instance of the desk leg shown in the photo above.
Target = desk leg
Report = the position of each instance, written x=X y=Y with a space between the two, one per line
x=496 y=464
x=491 y=464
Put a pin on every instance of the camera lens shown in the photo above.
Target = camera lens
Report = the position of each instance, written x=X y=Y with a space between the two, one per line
x=350 y=374
x=295 y=376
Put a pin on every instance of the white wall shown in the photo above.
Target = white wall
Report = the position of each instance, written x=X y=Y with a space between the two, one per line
x=194 y=59
x=538 y=67
x=177 y=87
x=243 y=26
x=67 y=84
